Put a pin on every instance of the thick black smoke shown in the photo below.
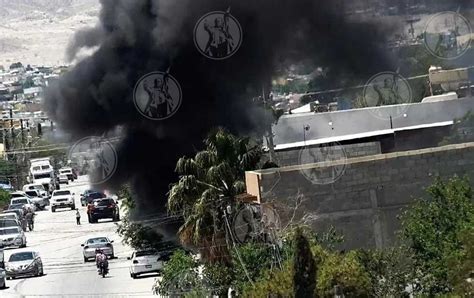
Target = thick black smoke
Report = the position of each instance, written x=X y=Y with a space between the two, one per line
x=135 y=37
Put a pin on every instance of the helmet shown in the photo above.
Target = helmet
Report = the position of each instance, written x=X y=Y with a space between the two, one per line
x=98 y=250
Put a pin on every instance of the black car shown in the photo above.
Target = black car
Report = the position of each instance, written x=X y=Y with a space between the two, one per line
x=103 y=208
x=91 y=196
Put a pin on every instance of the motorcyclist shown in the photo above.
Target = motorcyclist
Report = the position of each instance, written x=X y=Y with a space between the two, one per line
x=100 y=257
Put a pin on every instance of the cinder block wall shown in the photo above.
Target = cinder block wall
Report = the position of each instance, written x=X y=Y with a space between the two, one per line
x=290 y=157
x=364 y=203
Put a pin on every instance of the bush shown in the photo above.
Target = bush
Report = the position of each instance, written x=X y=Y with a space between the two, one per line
x=345 y=272
x=273 y=283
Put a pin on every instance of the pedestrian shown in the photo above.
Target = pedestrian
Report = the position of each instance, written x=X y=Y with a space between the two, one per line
x=78 y=217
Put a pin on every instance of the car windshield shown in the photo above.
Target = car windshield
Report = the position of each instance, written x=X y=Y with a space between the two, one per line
x=21 y=256
x=97 y=240
x=15 y=206
x=39 y=187
x=103 y=202
x=32 y=193
x=42 y=176
x=62 y=193
x=19 y=201
x=145 y=253
x=9 y=231
x=17 y=195
x=96 y=195
x=6 y=223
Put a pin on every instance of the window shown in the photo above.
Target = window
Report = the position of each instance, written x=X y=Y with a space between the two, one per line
x=44 y=167
x=21 y=256
x=9 y=231
x=42 y=176
x=62 y=193
x=145 y=253
x=8 y=223
x=20 y=201
x=97 y=240
x=104 y=202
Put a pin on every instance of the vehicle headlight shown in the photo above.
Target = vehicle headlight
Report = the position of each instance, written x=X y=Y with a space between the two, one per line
x=2 y=273
x=30 y=266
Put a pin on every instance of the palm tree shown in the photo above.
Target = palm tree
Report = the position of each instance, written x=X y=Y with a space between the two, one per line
x=208 y=183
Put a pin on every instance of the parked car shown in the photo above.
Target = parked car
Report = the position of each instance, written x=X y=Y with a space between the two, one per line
x=146 y=261
x=12 y=237
x=98 y=242
x=37 y=199
x=103 y=208
x=37 y=186
x=68 y=172
x=9 y=223
x=24 y=201
x=62 y=199
x=91 y=196
x=19 y=212
x=9 y=215
x=25 y=263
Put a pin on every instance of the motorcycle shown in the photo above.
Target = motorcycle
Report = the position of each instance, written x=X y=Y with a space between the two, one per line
x=103 y=269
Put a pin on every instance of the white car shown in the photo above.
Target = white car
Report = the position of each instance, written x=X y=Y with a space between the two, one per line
x=68 y=172
x=62 y=199
x=9 y=216
x=92 y=244
x=36 y=199
x=146 y=261
x=38 y=187
x=63 y=179
x=26 y=201
x=12 y=236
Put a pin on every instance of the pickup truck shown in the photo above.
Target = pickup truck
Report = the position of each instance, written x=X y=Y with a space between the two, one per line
x=62 y=199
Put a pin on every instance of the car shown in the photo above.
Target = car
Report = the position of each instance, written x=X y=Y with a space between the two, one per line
x=36 y=186
x=63 y=179
x=9 y=215
x=36 y=199
x=25 y=263
x=91 y=196
x=103 y=208
x=62 y=199
x=12 y=237
x=24 y=201
x=146 y=261
x=92 y=244
x=3 y=275
x=19 y=212
x=9 y=223
x=68 y=172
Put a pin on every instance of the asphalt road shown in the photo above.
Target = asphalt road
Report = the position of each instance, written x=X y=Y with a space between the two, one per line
x=58 y=240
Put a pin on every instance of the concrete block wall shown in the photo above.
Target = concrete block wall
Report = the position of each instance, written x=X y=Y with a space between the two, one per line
x=290 y=157
x=364 y=203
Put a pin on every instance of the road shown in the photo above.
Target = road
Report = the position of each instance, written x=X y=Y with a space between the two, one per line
x=58 y=240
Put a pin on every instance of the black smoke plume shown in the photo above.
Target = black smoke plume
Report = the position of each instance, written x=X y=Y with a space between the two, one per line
x=135 y=37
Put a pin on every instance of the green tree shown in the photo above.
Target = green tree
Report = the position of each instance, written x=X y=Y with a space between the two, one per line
x=4 y=198
x=304 y=280
x=431 y=228
x=208 y=183
x=180 y=276
x=461 y=265
x=139 y=236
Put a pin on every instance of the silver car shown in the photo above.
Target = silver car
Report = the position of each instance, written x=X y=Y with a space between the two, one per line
x=25 y=263
x=12 y=237
x=92 y=244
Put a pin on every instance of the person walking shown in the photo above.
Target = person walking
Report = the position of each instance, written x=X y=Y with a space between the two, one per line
x=78 y=217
